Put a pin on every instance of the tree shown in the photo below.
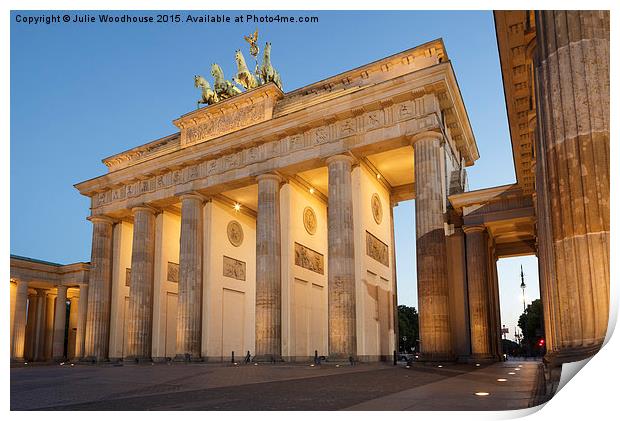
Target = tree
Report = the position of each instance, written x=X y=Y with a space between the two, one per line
x=531 y=324
x=408 y=328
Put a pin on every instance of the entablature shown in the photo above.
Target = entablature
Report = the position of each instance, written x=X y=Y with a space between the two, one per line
x=364 y=120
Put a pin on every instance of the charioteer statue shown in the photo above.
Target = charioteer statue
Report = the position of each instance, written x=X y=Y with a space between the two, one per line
x=223 y=88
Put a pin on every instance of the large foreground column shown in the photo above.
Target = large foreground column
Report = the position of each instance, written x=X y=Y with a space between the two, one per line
x=478 y=292
x=19 y=321
x=100 y=280
x=268 y=275
x=572 y=78
x=60 y=318
x=341 y=259
x=433 y=299
x=189 y=309
x=139 y=332
x=81 y=323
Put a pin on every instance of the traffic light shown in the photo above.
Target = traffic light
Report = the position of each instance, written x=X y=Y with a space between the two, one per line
x=541 y=342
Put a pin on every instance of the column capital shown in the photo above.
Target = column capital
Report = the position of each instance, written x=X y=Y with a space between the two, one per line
x=61 y=287
x=144 y=208
x=470 y=229
x=192 y=195
x=338 y=158
x=427 y=135
x=270 y=176
x=95 y=219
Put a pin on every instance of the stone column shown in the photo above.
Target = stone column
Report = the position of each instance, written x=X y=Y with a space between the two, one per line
x=31 y=321
x=268 y=270
x=97 y=335
x=39 y=327
x=19 y=321
x=72 y=332
x=478 y=291
x=341 y=259
x=140 y=326
x=572 y=83
x=189 y=308
x=50 y=304
x=60 y=318
x=81 y=322
x=433 y=297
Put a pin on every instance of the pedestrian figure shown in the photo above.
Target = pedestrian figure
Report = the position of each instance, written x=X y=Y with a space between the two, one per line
x=351 y=360
x=248 y=358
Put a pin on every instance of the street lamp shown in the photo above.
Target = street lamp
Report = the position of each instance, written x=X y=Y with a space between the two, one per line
x=523 y=287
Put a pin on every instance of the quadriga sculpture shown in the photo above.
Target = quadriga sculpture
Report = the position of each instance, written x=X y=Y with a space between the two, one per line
x=208 y=95
x=266 y=71
x=244 y=77
x=223 y=88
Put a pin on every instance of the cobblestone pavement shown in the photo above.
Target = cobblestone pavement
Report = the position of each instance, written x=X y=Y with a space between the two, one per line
x=226 y=387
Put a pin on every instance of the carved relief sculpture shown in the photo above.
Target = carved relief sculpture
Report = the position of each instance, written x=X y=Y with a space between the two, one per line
x=234 y=268
x=377 y=209
x=377 y=249
x=309 y=259
x=235 y=233
x=309 y=220
x=173 y=272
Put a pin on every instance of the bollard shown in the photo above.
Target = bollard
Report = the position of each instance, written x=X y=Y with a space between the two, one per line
x=232 y=358
x=395 y=358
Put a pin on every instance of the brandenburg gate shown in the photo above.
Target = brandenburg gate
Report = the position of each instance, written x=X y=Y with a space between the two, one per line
x=265 y=224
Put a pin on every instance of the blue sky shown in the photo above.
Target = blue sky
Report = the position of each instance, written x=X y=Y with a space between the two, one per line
x=82 y=92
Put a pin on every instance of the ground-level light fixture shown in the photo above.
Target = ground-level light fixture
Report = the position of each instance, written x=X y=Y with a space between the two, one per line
x=511 y=372
x=440 y=366
x=517 y=369
x=482 y=393
x=502 y=380
x=477 y=364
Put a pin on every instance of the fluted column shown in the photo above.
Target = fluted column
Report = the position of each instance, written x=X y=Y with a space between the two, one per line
x=478 y=291
x=60 y=318
x=140 y=328
x=572 y=80
x=341 y=259
x=19 y=321
x=81 y=322
x=39 y=327
x=97 y=336
x=268 y=271
x=189 y=309
x=433 y=298
x=50 y=304
x=72 y=332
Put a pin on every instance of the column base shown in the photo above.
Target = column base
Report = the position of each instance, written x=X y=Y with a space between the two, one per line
x=436 y=357
x=569 y=355
x=187 y=358
x=137 y=360
x=482 y=359
x=268 y=358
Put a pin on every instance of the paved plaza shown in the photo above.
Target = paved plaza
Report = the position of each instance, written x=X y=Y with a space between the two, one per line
x=274 y=387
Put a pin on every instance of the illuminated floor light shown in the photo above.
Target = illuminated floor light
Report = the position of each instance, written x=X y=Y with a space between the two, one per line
x=440 y=366
x=311 y=365
x=517 y=369
x=512 y=372
x=502 y=380
x=477 y=365
x=519 y=365
x=337 y=365
x=255 y=363
x=482 y=393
